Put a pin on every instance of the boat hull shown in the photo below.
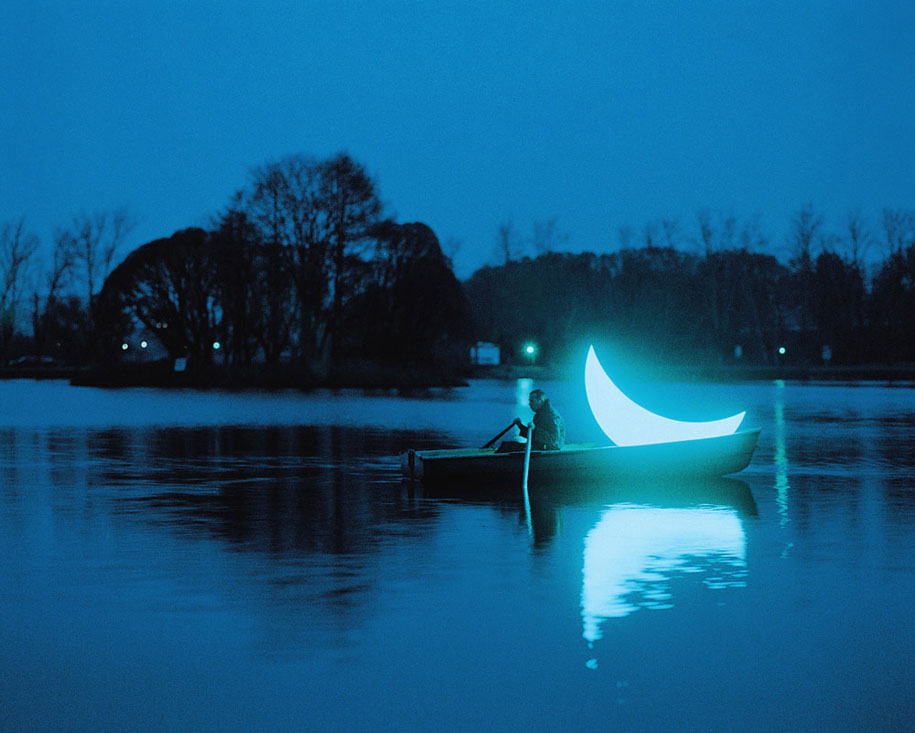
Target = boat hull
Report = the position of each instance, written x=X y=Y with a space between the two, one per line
x=704 y=457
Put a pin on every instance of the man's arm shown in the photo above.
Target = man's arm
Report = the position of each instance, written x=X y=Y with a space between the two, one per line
x=522 y=427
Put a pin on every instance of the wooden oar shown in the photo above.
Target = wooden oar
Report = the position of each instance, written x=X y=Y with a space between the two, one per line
x=490 y=442
x=527 y=465
x=527 y=455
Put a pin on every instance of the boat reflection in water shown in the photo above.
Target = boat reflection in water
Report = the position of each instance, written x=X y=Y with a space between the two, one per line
x=545 y=502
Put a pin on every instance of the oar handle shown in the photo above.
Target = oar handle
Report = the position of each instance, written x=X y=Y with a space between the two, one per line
x=493 y=440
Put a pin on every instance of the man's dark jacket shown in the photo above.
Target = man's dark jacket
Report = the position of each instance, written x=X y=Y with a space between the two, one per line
x=549 y=430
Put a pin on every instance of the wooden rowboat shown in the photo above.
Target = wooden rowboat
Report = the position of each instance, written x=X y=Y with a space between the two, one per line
x=702 y=457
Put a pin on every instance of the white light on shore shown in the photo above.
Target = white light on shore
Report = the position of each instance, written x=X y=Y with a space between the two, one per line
x=124 y=346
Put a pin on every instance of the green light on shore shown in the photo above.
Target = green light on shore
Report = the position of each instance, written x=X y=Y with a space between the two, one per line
x=781 y=350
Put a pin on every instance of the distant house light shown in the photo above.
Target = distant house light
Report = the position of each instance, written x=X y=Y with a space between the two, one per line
x=124 y=346
x=216 y=345
x=143 y=344
x=781 y=349
x=483 y=352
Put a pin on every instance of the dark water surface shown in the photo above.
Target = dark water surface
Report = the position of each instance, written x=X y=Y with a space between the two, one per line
x=188 y=560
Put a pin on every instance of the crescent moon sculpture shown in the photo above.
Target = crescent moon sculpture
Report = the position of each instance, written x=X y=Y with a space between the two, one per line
x=628 y=423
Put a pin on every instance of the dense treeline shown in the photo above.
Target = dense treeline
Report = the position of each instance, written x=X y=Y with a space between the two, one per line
x=300 y=269
x=303 y=269
x=57 y=296
x=728 y=303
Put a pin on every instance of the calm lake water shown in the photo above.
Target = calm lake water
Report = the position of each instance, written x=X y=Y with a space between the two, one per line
x=188 y=560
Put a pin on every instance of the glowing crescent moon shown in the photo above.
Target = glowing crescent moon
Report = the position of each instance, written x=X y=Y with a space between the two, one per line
x=627 y=423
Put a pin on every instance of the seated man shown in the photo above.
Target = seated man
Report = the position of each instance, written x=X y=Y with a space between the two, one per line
x=549 y=430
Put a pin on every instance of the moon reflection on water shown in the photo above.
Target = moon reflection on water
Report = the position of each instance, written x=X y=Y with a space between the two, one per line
x=634 y=552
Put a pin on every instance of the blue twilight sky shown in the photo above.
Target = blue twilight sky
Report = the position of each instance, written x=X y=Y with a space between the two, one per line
x=598 y=114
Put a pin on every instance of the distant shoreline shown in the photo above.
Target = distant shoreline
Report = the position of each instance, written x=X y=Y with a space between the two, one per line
x=407 y=379
x=731 y=373
x=160 y=375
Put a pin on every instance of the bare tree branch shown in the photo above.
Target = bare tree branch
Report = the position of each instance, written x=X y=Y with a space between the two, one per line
x=16 y=249
x=858 y=238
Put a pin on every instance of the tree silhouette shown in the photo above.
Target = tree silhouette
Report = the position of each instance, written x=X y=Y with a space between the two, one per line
x=169 y=285
x=94 y=239
x=893 y=306
x=352 y=207
x=17 y=246
x=312 y=217
x=283 y=203
x=805 y=228
x=236 y=248
x=45 y=310
x=837 y=298
x=415 y=308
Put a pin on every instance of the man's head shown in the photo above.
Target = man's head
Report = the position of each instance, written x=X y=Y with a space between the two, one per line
x=536 y=399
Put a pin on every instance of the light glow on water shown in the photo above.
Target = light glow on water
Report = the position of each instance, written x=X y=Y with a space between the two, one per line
x=633 y=552
x=782 y=486
x=523 y=388
x=628 y=423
